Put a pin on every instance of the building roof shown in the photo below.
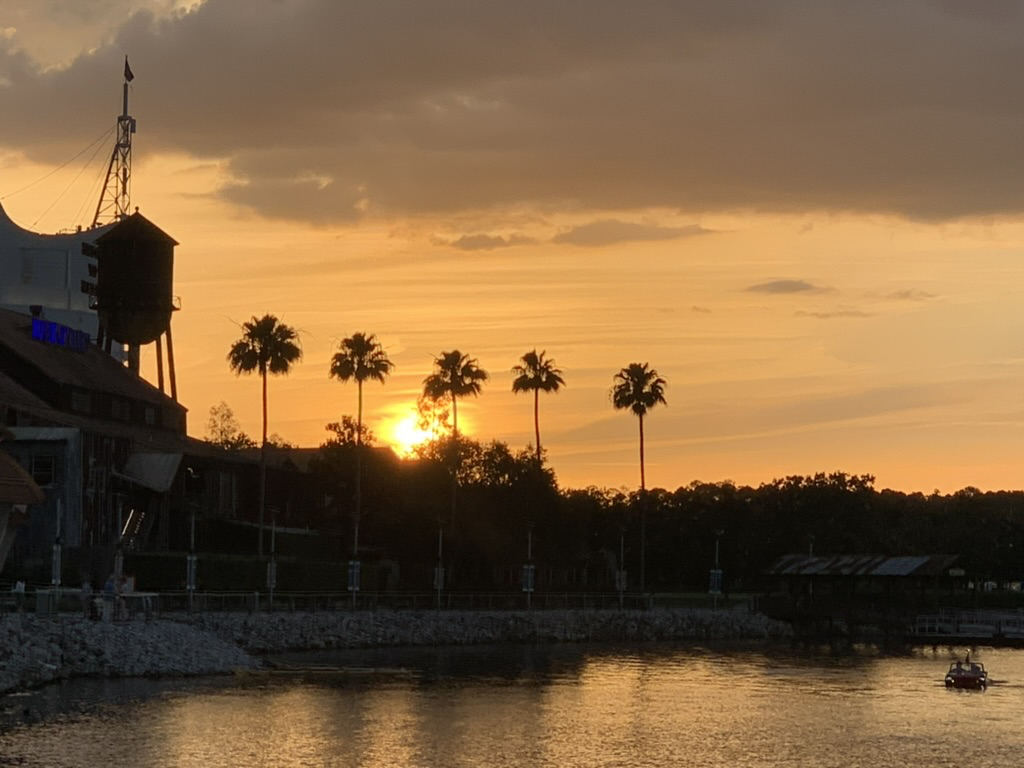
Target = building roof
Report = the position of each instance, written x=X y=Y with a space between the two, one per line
x=135 y=227
x=862 y=565
x=16 y=485
x=91 y=369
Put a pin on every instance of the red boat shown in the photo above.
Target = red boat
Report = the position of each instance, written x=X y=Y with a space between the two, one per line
x=966 y=674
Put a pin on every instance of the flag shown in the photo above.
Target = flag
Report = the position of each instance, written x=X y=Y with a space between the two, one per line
x=128 y=76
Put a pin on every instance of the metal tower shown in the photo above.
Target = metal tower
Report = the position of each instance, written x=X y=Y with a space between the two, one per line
x=115 y=198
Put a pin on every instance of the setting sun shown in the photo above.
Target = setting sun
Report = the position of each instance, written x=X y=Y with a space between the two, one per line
x=406 y=435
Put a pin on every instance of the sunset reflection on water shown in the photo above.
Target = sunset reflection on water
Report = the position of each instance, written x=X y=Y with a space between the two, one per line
x=554 y=706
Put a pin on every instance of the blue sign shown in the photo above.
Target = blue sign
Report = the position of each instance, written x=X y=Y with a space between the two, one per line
x=353 y=575
x=529 y=571
x=715 y=586
x=59 y=335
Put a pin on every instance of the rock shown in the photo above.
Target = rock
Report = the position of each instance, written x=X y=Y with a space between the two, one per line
x=35 y=650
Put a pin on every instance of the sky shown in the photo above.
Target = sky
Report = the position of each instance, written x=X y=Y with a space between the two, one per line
x=806 y=215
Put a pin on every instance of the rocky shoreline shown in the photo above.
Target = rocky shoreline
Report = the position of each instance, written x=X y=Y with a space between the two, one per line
x=36 y=650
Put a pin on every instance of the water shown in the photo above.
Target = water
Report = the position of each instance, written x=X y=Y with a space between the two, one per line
x=664 y=705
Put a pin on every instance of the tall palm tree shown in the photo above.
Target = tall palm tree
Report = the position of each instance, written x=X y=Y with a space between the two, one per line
x=455 y=375
x=267 y=346
x=362 y=358
x=538 y=373
x=638 y=388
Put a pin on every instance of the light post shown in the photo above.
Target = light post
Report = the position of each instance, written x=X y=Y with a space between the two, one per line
x=810 y=579
x=190 y=565
x=190 y=561
x=353 y=564
x=528 y=569
x=620 y=574
x=55 y=564
x=716 y=572
x=439 y=568
x=272 y=563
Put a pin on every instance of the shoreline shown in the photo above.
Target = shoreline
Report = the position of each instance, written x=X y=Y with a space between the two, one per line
x=38 y=650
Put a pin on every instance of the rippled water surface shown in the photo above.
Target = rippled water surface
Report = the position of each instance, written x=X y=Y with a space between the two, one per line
x=547 y=706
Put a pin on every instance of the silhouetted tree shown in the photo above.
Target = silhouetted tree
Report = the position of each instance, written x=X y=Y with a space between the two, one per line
x=362 y=358
x=638 y=388
x=455 y=375
x=267 y=346
x=537 y=373
x=223 y=429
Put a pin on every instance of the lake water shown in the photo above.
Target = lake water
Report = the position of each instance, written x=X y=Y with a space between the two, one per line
x=664 y=705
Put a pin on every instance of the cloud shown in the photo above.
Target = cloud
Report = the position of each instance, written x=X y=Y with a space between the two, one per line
x=611 y=231
x=484 y=242
x=785 y=286
x=911 y=295
x=841 y=312
x=462 y=106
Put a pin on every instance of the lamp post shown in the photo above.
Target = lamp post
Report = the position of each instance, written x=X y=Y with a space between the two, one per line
x=810 y=579
x=353 y=564
x=439 y=568
x=190 y=561
x=528 y=568
x=620 y=575
x=190 y=567
x=272 y=563
x=716 y=572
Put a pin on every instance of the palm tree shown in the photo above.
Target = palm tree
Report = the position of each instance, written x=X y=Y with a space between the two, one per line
x=538 y=373
x=362 y=358
x=267 y=346
x=639 y=388
x=455 y=375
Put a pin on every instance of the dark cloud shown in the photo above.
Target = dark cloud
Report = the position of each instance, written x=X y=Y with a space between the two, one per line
x=611 y=231
x=785 y=286
x=405 y=107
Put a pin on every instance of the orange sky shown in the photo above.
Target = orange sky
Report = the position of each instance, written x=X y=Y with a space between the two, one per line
x=819 y=250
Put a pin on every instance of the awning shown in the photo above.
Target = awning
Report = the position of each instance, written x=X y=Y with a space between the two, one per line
x=155 y=471
x=16 y=485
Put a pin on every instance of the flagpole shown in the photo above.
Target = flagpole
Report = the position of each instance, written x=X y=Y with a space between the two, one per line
x=115 y=197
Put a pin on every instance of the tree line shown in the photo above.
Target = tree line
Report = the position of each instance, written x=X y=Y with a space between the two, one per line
x=487 y=500
x=269 y=347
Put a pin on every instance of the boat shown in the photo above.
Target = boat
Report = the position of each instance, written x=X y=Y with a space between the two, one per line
x=966 y=674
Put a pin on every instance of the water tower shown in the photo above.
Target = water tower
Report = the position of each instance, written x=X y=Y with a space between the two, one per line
x=135 y=277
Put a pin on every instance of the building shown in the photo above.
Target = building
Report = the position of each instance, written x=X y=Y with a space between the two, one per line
x=17 y=491
x=119 y=472
x=51 y=271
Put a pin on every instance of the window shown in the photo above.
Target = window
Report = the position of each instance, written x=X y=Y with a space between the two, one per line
x=150 y=415
x=81 y=402
x=120 y=409
x=42 y=470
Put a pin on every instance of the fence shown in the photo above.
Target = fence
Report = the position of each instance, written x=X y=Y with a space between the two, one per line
x=148 y=604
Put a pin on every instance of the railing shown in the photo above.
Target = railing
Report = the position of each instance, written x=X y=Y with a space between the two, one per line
x=970 y=624
x=45 y=600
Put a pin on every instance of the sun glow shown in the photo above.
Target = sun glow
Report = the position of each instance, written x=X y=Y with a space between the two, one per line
x=406 y=435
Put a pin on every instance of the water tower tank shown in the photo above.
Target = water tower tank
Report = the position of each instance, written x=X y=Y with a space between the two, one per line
x=134 y=283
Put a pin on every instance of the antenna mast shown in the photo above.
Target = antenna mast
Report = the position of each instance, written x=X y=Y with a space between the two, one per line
x=115 y=198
